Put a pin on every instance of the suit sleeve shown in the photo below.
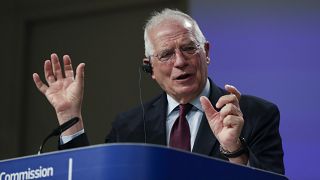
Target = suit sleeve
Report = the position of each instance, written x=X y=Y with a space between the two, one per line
x=80 y=141
x=112 y=136
x=265 y=144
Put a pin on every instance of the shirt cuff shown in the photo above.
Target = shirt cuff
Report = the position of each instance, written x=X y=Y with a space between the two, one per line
x=66 y=139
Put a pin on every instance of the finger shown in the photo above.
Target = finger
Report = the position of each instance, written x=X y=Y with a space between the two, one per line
x=232 y=121
x=212 y=115
x=230 y=109
x=68 y=71
x=57 y=71
x=233 y=90
x=80 y=74
x=40 y=85
x=208 y=108
x=48 y=73
x=230 y=98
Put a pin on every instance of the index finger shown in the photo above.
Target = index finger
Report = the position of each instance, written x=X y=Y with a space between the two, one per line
x=207 y=107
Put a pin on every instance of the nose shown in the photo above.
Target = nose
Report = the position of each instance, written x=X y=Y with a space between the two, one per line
x=179 y=59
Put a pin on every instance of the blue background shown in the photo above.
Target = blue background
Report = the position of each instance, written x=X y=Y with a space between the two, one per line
x=271 y=49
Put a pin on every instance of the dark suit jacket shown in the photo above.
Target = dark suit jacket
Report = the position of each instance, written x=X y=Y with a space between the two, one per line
x=261 y=130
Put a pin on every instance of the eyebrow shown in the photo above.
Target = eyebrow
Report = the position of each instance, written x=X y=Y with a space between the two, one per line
x=183 y=43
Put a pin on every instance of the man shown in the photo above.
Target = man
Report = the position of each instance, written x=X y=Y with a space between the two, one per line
x=218 y=123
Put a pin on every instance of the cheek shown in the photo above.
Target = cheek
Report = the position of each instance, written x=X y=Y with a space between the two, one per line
x=203 y=63
x=202 y=68
x=161 y=72
x=200 y=64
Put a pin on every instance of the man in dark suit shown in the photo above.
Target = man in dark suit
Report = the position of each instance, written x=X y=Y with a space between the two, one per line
x=192 y=114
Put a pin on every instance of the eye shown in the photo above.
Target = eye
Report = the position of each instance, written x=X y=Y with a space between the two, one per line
x=165 y=55
x=189 y=49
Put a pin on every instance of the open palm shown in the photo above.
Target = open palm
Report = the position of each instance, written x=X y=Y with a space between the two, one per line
x=64 y=91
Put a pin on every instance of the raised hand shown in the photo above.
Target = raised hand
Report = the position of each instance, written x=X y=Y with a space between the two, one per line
x=64 y=89
x=226 y=124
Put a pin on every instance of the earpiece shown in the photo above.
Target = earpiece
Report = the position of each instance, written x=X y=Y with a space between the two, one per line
x=146 y=66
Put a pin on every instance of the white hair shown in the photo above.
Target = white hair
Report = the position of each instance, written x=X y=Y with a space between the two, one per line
x=174 y=15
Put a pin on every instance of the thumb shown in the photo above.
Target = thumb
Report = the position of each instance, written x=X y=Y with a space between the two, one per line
x=207 y=107
x=233 y=90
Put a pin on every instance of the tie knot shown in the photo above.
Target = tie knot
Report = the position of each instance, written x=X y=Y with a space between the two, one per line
x=184 y=109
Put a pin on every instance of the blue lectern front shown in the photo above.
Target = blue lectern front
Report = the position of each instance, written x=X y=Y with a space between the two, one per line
x=126 y=161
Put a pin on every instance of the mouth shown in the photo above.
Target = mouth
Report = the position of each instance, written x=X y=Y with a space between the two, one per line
x=183 y=77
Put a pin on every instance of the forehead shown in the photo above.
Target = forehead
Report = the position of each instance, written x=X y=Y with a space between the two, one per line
x=171 y=33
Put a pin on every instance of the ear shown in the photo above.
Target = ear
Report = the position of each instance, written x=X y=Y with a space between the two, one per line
x=207 y=48
x=145 y=61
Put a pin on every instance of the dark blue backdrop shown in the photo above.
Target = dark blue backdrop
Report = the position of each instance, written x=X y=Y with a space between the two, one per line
x=271 y=49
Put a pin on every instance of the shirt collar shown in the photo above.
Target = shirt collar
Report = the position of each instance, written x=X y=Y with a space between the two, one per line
x=172 y=104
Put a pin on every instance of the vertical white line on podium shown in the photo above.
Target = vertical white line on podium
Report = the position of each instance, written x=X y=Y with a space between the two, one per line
x=70 y=169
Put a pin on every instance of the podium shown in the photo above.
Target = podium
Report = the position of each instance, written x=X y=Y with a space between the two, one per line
x=126 y=161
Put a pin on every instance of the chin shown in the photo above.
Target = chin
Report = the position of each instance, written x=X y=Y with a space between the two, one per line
x=188 y=91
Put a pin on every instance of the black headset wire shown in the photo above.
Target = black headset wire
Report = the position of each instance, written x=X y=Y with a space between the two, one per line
x=142 y=107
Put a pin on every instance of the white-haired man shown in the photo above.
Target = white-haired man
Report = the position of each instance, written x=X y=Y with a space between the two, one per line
x=191 y=114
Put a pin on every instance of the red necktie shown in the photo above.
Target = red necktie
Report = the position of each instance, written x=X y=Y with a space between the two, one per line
x=180 y=132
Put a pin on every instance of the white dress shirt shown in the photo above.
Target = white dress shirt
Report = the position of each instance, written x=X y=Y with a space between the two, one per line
x=193 y=117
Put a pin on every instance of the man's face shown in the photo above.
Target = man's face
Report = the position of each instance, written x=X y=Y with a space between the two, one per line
x=183 y=76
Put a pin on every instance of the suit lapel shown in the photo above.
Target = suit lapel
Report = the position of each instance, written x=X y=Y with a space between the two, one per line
x=156 y=121
x=205 y=140
x=156 y=116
